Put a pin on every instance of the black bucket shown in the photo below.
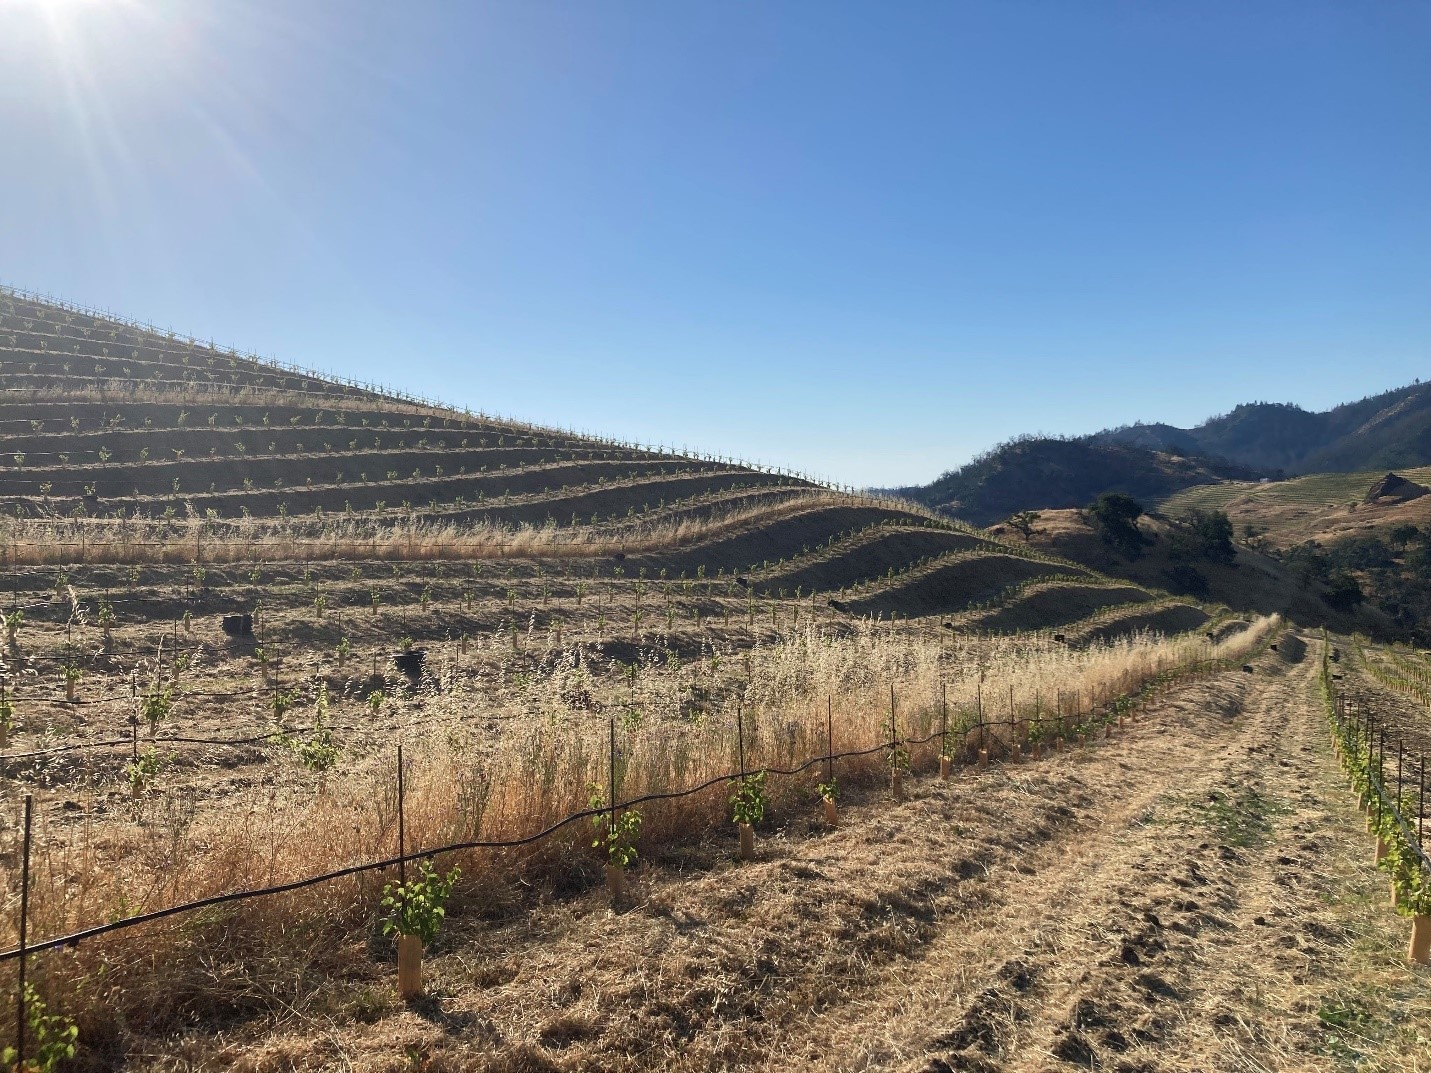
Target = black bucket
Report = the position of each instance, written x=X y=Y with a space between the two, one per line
x=238 y=625
x=410 y=662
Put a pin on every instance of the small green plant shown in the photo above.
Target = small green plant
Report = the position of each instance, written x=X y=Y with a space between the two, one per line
x=405 y=644
x=52 y=1038
x=155 y=705
x=418 y=906
x=281 y=701
x=615 y=836
x=143 y=771
x=344 y=650
x=12 y=623
x=899 y=759
x=830 y=790
x=319 y=753
x=749 y=801
x=375 y=701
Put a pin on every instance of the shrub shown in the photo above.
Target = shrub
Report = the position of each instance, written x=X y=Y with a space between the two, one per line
x=1343 y=593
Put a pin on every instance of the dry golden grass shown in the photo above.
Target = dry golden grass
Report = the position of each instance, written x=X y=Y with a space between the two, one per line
x=43 y=542
x=476 y=779
x=1192 y=895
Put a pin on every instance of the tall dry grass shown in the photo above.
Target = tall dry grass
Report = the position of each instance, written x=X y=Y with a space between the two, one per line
x=518 y=763
x=182 y=541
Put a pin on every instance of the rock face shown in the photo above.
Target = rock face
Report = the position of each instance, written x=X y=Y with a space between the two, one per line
x=1395 y=488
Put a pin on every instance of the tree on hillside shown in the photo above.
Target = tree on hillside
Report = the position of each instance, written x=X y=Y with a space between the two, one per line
x=1213 y=531
x=1307 y=562
x=1401 y=535
x=1023 y=522
x=1115 y=516
x=1187 y=580
x=1344 y=592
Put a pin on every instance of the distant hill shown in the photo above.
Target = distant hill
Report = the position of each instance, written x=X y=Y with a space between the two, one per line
x=1387 y=431
x=1324 y=507
x=1035 y=473
x=1151 y=462
x=1254 y=581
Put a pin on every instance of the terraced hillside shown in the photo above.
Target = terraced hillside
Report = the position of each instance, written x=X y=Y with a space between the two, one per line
x=1319 y=506
x=123 y=446
x=1251 y=582
x=231 y=591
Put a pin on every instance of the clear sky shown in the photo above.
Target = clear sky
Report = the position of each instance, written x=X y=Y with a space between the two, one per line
x=863 y=239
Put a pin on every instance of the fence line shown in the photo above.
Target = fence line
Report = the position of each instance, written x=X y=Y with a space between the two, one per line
x=1361 y=746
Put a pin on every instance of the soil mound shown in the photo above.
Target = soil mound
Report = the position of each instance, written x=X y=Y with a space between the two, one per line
x=1397 y=488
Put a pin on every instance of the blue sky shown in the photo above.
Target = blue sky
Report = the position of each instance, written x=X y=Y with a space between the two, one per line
x=866 y=240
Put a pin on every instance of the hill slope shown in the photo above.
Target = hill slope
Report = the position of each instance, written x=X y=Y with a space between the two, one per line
x=124 y=446
x=1035 y=473
x=1253 y=582
x=1154 y=461
x=1385 y=431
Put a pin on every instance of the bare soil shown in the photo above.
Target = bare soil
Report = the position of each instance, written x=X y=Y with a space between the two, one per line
x=1195 y=894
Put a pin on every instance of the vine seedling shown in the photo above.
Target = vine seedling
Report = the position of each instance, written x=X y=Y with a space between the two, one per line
x=52 y=1038
x=415 y=911
x=616 y=834
x=142 y=772
x=73 y=674
x=829 y=793
x=155 y=705
x=748 y=804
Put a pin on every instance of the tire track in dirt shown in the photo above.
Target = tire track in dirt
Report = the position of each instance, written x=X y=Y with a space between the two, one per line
x=1095 y=963
x=1048 y=915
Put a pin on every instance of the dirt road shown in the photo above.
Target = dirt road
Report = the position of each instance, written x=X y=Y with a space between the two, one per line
x=1195 y=894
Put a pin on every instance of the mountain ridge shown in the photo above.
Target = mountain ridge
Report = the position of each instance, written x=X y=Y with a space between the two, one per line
x=1253 y=441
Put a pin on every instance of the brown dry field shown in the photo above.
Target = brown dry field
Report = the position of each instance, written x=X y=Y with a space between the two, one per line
x=1405 y=715
x=1290 y=523
x=1254 y=582
x=1325 y=507
x=1194 y=894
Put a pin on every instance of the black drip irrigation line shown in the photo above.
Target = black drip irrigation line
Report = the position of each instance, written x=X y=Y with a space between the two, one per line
x=74 y=938
x=32 y=698
x=281 y=732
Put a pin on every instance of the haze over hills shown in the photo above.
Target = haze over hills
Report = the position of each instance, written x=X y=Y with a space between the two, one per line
x=1152 y=461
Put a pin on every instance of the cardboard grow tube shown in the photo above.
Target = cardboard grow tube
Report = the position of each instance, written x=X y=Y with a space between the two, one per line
x=1420 y=951
x=747 y=842
x=944 y=767
x=832 y=812
x=409 y=966
x=896 y=781
x=615 y=882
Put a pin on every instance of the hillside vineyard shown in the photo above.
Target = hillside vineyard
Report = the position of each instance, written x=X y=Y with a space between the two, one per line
x=283 y=651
